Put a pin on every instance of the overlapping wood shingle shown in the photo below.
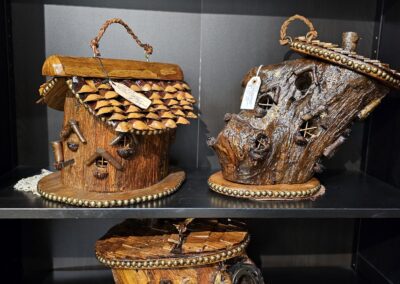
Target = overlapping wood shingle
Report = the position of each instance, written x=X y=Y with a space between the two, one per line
x=171 y=103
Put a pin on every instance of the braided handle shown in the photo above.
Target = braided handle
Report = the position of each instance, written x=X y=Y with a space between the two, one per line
x=94 y=43
x=312 y=34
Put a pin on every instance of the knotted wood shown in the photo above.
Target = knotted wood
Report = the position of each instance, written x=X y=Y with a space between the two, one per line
x=68 y=66
x=147 y=166
x=200 y=275
x=143 y=251
x=304 y=112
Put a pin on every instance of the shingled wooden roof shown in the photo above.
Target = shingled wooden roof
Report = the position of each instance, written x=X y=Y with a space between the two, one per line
x=171 y=102
x=138 y=244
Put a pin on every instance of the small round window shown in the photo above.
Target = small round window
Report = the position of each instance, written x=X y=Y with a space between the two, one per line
x=303 y=81
x=265 y=102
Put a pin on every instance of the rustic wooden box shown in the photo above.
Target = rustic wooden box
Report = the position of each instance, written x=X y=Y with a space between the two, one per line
x=120 y=118
x=303 y=111
x=164 y=251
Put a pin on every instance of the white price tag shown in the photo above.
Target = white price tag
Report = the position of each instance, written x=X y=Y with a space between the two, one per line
x=136 y=98
x=250 y=93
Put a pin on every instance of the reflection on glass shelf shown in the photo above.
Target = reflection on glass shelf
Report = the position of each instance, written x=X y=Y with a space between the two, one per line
x=290 y=275
x=231 y=202
x=348 y=195
x=98 y=276
x=310 y=275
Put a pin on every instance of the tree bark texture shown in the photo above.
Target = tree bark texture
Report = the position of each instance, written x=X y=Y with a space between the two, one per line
x=147 y=165
x=304 y=110
x=204 y=274
x=170 y=251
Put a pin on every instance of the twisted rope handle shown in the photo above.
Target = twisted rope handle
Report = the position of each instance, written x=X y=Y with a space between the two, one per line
x=94 y=43
x=312 y=34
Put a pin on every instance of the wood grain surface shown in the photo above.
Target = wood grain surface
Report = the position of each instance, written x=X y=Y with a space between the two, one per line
x=303 y=113
x=142 y=251
x=143 y=240
x=52 y=188
x=53 y=93
x=68 y=66
x=198 y=275
x=147 y=166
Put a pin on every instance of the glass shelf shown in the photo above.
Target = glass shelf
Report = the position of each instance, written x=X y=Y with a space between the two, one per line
x=348 y=195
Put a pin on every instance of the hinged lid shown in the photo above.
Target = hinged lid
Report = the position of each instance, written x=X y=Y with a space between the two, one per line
x=166 y=244
x=344 y=56
x=130 y=96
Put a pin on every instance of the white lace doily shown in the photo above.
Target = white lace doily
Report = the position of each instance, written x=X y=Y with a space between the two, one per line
x=29 y=184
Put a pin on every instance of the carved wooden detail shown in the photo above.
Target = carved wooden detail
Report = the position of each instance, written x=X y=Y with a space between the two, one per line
x=303 y=113
x=147 y=252
x=120 y=117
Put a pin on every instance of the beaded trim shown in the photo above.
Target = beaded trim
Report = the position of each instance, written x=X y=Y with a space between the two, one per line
x=49 y=85
x=263 y=194
x=106 y=203
x=348 y=59
x=176 y=262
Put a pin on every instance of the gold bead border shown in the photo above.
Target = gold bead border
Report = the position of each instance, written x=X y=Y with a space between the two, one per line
x=167 y=263
x=264 y=194
x=106 y=203
x=347 y=61
x=49 y=85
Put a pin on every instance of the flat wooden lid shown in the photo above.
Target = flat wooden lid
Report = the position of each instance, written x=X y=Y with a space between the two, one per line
x=349 y=59
x=142 y=245
x=344 y=56
x=68 y=66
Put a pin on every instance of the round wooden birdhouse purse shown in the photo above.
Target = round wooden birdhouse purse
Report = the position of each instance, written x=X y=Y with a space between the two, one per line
x=294 y=114
x=191 y=251
x=120 y=118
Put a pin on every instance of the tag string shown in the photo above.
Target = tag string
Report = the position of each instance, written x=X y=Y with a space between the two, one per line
x=102 y=68
x=258 y=70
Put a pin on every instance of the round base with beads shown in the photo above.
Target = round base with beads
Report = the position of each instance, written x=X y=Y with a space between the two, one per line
x=308 y=190
x=206 y=251
x=52 y=188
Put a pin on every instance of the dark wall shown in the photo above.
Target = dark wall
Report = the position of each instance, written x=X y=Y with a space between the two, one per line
x=301 y=243
x=11 y=255
x=7 y=112
x=377 y=257
x=382 y=158
x=29 y=54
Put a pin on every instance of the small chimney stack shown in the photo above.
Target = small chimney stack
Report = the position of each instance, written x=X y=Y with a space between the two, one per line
x=349 y=41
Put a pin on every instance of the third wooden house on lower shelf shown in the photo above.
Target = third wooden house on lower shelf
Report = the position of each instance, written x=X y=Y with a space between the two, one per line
x=165 y=251
x=120 y=118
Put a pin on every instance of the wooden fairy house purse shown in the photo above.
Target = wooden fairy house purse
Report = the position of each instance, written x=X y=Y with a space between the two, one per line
x=167 y=252
x=120 y=118
x=294 y=114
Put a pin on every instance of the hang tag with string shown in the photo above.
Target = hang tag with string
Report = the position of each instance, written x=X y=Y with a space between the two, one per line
x=127 y=93
x=251 y=91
